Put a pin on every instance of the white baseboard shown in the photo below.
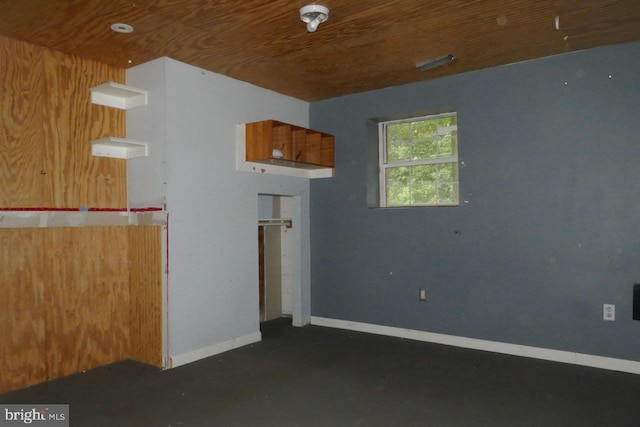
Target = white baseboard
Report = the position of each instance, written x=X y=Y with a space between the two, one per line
x=201 y=353
x=484 y=345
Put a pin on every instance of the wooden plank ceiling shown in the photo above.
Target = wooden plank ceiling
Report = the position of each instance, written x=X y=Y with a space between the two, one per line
x=363 y=46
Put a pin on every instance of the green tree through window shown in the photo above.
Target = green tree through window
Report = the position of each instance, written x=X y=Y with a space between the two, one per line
x=419 y=161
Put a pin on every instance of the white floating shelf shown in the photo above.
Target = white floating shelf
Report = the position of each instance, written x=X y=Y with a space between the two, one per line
x=118 y=96
x=119 y=148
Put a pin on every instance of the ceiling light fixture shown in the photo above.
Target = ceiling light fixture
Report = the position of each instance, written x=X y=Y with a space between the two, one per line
x=122 y=28
x=314 y=15
x=433 y=63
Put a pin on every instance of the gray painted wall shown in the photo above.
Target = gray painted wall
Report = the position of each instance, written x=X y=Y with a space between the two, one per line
x=190 y=124
x=549 y=226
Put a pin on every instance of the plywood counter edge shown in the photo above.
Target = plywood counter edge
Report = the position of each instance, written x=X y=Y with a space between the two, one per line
x=45 y=219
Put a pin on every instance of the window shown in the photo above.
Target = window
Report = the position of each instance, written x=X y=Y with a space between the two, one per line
x=419 y=161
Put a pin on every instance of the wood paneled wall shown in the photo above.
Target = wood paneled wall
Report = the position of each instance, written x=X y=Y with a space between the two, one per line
x=22 y=305
x=21 y=130
x=145 y=278
x=86 y=272
x=75 y=298
x=48 y=122
x=71 y=298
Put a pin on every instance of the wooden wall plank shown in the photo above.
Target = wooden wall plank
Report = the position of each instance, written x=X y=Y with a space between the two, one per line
x=360 y=48
x=299 y=141
x=327 y=151
x=88 y=282
x=145 y=278
x=259 y=140
x=76 y=178
x=282 y=140
x=22 y=315
x=313 y=148
x=21 y=129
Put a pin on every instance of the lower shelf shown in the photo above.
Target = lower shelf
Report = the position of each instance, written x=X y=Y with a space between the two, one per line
x=119 y=148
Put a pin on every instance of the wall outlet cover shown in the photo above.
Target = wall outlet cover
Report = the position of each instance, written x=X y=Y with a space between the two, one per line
x=609 y=312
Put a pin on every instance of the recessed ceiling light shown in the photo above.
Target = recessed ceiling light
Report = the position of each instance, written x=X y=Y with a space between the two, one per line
x=122 y=28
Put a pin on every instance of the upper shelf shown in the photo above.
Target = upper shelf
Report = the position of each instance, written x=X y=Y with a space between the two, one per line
x=279 y=148
x=118 y=96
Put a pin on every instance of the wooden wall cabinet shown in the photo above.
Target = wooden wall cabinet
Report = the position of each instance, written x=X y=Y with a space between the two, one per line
x=280 y=148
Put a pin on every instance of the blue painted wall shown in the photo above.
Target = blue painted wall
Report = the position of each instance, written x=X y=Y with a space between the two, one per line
x=549 y=225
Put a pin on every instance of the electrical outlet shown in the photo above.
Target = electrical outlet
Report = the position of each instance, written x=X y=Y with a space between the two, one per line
x=422 y=295
x=609 y=312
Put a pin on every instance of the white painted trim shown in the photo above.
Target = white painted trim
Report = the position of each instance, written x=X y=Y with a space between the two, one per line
x=201 y=353
x=608 y=363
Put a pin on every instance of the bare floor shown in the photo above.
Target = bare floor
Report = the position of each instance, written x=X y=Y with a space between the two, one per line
x=316 y=376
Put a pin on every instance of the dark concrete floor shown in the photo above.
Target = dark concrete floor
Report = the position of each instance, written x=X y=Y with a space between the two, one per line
x=316 y=376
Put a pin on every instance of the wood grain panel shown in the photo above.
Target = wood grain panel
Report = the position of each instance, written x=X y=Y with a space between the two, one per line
x=75 y=178
x=327 y=157
x=88 y=287
x=21 y=118
x=299 y=142
x=357 y=49
x=258 y=140
x=145 y=278
x=22 y=328
x=313 y=148
x=282 y=139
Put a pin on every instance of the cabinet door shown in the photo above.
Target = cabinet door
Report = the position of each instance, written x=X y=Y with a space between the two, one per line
x=21 y=130
x=22 y=352
x=87 y=294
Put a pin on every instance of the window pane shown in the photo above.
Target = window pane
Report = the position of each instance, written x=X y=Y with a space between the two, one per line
x=448 y=121
x=448 y=144
x=408 y=144
x=425 y=148
x=399 y=151
x=398 y=176
x=424 y=129
x=447 y=172
x=425 y=194
x=448 y=193
x=399 y=142
x=424 y=173
x=398 y=196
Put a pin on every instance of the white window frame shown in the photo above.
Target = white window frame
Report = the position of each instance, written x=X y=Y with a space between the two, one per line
x=383 y=165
